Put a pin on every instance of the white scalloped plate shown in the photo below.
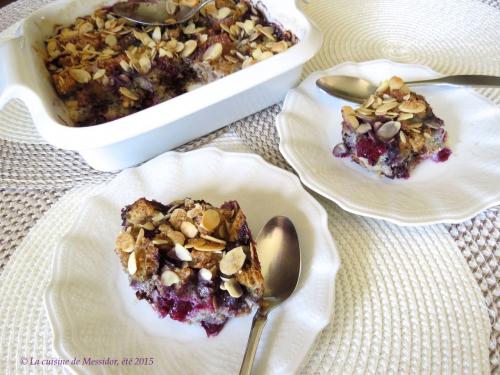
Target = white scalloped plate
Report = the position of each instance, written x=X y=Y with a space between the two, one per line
x=94 y=313
x=309 y=128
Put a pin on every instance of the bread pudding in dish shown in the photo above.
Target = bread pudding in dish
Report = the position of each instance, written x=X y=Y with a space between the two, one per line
x=392 y=131
x=104 y=67
x=192 y=261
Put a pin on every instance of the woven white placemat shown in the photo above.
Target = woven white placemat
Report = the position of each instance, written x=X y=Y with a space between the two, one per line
x=372 y=329
x=406 y=301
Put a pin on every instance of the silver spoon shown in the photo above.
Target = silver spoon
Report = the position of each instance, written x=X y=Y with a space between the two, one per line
x=279 y=257
x=357 y=89
x=155 y=12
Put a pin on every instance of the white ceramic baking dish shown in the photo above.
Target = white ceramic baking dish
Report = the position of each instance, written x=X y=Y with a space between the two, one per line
x=138 y=137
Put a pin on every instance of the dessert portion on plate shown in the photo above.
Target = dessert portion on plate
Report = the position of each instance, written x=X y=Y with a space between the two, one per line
x=192 y=261
x=392 y=131
x=104 y=67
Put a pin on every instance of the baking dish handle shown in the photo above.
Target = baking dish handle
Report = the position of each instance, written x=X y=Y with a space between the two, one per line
x=10 y=70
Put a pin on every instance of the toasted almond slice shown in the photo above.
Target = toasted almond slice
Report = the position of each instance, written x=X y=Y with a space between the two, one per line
x=363 y=128
x=234 y=289
x=353 y=121
x=132 y=264
x=156 y=36
x=384 y=108
x=278 y=47
x=110 y=40
x=176 y=237
x=189 y=229
x=402 y=137
x=369 y=101
x=412 y=107
x=405 y=116
x=223 y=12
x=395 y=83
x=125 y=242
x=124 y=65
x=189 y=48
x=99 y=74
x=160 y=242
x=205 y=274
x=139 y=238
x=148 y=226
x=145 y=64
x=267 y=31
x=210 y=220
x=128 y=94
x=213 y=52
x=169 y=278
x=80 y=75
x=182 y=253
x=201 y=244
x=212 y=239
x=232 y=261
x=347 y=110
x=365 y=111
x=383 y=86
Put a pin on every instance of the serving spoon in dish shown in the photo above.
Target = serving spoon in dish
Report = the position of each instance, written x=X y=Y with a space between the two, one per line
x=357 y=89
x=279 y=256
x=155 y=13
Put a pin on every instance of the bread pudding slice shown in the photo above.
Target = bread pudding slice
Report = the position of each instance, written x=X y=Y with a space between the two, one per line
x=191 y=261
x=392 y=131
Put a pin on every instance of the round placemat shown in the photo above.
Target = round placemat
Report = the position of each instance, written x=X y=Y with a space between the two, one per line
x=438 y=34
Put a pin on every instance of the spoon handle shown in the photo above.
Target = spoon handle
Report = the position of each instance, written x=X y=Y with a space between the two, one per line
x=462 y=80
x=258 y=324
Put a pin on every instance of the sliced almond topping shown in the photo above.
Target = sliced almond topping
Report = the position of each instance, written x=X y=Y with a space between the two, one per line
x=156 y=36
x=124 y=65
x=353 y=121
x=169 y=278
x=80 y=75
x=363 y=128
x=160 y=242
x=213 y=52
x=176 y=237
x=402 y=137
x=213 y=239
x=205 y=274
x=278 y=47
x=395 y=83
x=223 y=13
x=412 y=107
x=384 y=108
x=132 y=264
x=177 y=217
x=347 y=110
x=234 y=289
x=99 y=73
x=189 y=48
x=128 y=94
x=149 y=226
x=182 y=253
x=388 y=130
x=383 y=86
x=232 y=261
x=369 y=101
x=110 y=40
x=405 y=116
x=139 y=238
x=125 y=242
x=189 y=3
x=201 y=244
x=210 y=220
x=189 y=229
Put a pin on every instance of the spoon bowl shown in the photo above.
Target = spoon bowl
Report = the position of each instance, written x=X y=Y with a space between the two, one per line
x=155 y=13
x=279 y=256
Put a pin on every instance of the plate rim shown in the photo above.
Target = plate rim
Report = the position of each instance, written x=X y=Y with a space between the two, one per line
x=57 y=279
x=403 y=220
